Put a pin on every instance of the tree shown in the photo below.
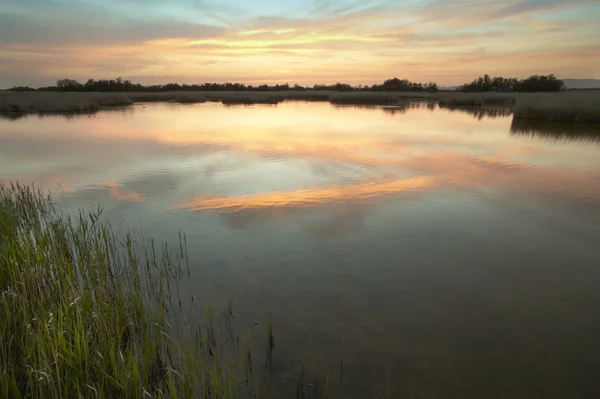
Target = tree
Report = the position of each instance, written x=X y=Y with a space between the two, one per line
x=69 y=85
x=535 y=83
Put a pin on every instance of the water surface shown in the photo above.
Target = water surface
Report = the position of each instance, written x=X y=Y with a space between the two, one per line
x=441 y=253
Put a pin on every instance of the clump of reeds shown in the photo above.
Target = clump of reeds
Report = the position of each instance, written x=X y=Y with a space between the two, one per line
x=270 y=342
x=307 y=96
x=176 y=97
x=364 y=98
x=571 y=114
x=563 y=107
x=85 y=313
x=475 y=99
x=48 y=102
x=566 y=107
x=248 y=100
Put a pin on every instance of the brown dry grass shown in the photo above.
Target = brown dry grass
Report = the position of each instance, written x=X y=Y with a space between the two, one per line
x=581 y=107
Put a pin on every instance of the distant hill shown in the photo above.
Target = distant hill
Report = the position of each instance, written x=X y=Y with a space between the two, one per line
x=582 y=83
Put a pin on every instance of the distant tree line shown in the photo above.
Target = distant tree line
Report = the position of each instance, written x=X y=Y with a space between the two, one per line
x=396 y=84
x=121 y=85
x=534 y=83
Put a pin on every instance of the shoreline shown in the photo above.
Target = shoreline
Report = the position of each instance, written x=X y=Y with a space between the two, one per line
x=578 y=107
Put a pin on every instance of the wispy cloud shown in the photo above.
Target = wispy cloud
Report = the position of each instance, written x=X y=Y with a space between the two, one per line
x=16 y=29
x=312 y=40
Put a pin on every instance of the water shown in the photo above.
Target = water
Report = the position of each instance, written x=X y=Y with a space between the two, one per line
x=432 y=252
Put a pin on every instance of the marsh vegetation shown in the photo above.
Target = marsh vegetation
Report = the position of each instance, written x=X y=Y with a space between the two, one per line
x=88 y=312
x=581 y=107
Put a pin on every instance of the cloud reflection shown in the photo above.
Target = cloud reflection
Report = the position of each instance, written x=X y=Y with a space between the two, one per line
x=272 y=162
x=306 y=198
x=439 y=171
x=118 y=192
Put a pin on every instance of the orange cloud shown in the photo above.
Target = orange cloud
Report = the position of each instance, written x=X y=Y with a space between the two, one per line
x=364 y=45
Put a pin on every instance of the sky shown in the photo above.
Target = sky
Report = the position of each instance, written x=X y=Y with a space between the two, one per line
x=296 y=41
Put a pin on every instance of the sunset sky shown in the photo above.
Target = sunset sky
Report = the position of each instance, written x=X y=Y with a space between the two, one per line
x=295 y=41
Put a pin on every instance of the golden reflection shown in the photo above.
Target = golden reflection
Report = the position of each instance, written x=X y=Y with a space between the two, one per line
x=437 y=169
x=308 y=197
x=341 y=135
x=449 y=149
x=120 y=193
x=473 y=173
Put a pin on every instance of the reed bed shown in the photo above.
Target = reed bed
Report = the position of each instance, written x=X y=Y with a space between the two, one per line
x=46 y=102
x=86 y=313
x=579 y=107
x=364 y=98
x=565 y=107
x=476 y=99
x=176 y=97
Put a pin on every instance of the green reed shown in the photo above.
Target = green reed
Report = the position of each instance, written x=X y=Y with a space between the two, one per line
x=87 y=313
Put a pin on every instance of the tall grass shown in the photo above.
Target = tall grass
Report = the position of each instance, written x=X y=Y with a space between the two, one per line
x=177 y=97
x=565 y=107
x=86 y=313
x=366 y=98
x=46 y=102
x=581 y=107
x=476 y=99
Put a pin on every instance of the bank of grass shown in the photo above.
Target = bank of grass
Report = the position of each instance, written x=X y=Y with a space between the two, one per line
x=48 y=103
x=566 y=107
x=176 y=97
x=86 y=313
x=364 y=98
x=579 y=107
x=476 y=99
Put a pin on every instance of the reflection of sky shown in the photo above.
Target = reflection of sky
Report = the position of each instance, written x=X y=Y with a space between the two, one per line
x=250 y=165
x=290 y=151
x=259 y=163
x=427 y=236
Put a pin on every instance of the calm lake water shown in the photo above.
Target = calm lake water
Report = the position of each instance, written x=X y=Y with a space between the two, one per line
x=434 y=253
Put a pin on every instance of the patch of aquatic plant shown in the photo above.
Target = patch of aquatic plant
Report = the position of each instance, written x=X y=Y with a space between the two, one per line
x=88 y=313
x=475 y=99
x=364 y=98
x=176 y=97
x=566 y=107
x=580 y=107
x=46 y=102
